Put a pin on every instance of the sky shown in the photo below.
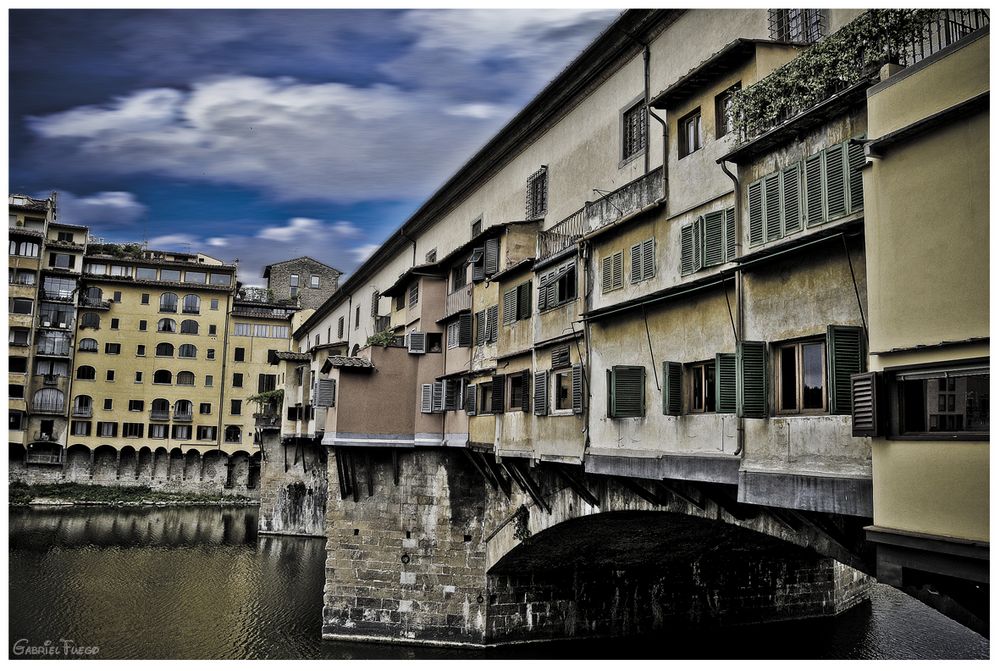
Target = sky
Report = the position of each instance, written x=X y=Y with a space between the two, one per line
x=262 y=135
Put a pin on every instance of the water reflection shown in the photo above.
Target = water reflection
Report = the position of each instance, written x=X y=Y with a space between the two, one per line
x=198 y=583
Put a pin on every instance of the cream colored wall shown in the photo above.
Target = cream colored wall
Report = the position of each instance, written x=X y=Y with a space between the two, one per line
x=516 y=337
x=255 y=364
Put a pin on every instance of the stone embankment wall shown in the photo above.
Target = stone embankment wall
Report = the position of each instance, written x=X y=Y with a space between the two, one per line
x=293 y=488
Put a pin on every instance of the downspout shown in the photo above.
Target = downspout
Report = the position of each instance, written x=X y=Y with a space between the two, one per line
x=738 y=280
x=662 y=122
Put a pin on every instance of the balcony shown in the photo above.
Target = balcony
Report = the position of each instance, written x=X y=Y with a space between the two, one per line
x=183 y=416
x=50 y=349
x=49 y=409
x=35 y=457
x=64 y=244
x=849 y=57
x=63 y=322
x=458 y=300
x=83 y=412
x=611 y=207
x=159 y=415
x=61 y=295
x=94 y=303
x=267 y=420
x=50 y=380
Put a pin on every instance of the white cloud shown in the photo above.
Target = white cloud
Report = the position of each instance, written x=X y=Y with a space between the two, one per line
x=108 y=209
x=362 y=253
x=173 y=241
x=476 y=110
x=297 y=227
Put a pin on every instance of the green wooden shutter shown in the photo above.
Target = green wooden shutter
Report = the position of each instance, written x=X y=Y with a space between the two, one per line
x=543 y=291
x=855 y=162
x=541 y=392
x=465 y=330
x=836 y=182
x=845 y=357
x=524 y=300
x=481 y=327
x=715 y=251
x=497 y=394
x=755 y=212
x=492 y=256
x=731 y=234
x=470 y=399
x=866 y=415
x=725 y=382
x=560 y=357
x=672 y=376
x=628 y=391
x=510 y=306
x=526 y=391
x=751 y=379
x=577 y=380
x=618 y=269
x=687 y=249
x=635 y=255
x=790 y=200
x=606 y=274
x=814 y=189
x=648 y=258
x=772 y=206
x=492 y=320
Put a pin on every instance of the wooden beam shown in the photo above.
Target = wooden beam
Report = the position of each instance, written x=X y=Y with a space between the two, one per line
x=368 y=473
x=578 y=487
x=473 y=457
x=696 y=501
x=651 y=496
x=531 y=486
x=498 y=474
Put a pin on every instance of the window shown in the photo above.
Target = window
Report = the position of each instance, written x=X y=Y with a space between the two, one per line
x=135 y=405
x=643 y=260
x=183 y=409
x=314 y=281
x=537 y=196
x=563 y=391
x=260 y=331
x=187 y=351
x=170 y=275
x=724 y=111
x=23 y=248
x=209 y=380
x=61 y=260
x=48 y=400
x=109 y=404
x=119 y=271
x=634 y=130
x=612 y=271
x=517 y=303
x=214 y=305
x=144 y=299
x=211 y=329
x=238 y=380
x=189 y=326
x=702 y=398
x=15 y=419
x=192 y=304
x=163 y=377
x=110 y=376
x=952 y=402
x=801 y=377
x=340 y=328
x=459 y=276
x=689 y=133
x=357 y=317
x=181 y=432
x=79 y=428
x=142 y=324
x=195 y=277
x=140 y=350
x=557 y=287
x=293 y=285
x=210 y=354
x=107 y=429
x=114 y=323
x=117 y=297
x=164 y=349
x=207 y=432
x=233 y=434
x=15 y=390
x=64 y=236
x=239 y=354
x=235 y=407
x=88 y=345
x=50 y=368
x=486 y=325
x=282 y=332
x=86 y=373
x=486 y=398
x=160 y=409
x=19 y=336
x=21 y=306
x=166 y=326
x=131 y=430
x=241 y=329
x=414 y=294
x=205 y=408
x=519 y=383
x=168 y=302
x=802 y=26
x=112 y=348
x=266 y=382
x=21 y=276
x=17 y=364
x=158 y=431
x=626 y=391
x=185 y=378
x=138 y=376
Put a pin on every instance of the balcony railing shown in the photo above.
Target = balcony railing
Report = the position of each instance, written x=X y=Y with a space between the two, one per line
x=94 y=303
x=63 y=322
x=50 y=379
x=159 y=415
x=183 y=416
x=848 y=57
x=49 y=408
x=83 y=412
x=267 y=420
x=458 y=300
x=49 y=349
x=611 y=207
x=34 y=457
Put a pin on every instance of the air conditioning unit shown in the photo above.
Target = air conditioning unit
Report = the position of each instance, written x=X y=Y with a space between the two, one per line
x=44 y=323
x=416 y=342
x=62 y=325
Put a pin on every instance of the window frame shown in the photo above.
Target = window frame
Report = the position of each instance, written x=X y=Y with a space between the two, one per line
x=894 y=390
x=683 y=149
x=636 y=105
x=776 y=357
x=705 y=371
x=723 y=124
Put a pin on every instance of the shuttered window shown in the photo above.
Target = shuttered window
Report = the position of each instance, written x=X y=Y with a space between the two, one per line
x=755 y=212
x=643 y=259
x=492 y=256
x=481 y=327
x=541 y=392
x=526 y=391
x=835 y=182
x=790 y=205
x=510 y=306
x=814 y=189
x=517 y=303
x=416 y=342
x=672 y=378
x=426 y=398
x=715 y=242
x=560 y=357
x=725 y=382
x=845 y=357
x=496 y=402
x=626 y=391
x=772 y=207
x=866 y=417
x=470 y=399
x=437 y=396
x=478 y=264
x=612 y=272
x=751 y=379
x=326 y=393
x=465 y=330
x=492 y=318
x=855 y=162
x=577 y=389
x=730 y=234
x=691 y=243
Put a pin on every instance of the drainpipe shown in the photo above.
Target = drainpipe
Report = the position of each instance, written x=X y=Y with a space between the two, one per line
x=663 y=123
x=738 y=280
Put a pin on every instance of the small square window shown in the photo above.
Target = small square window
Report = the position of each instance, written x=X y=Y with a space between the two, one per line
x=314 y=281
x=238 y=380
x=114 y=322
x=801 y=377
x=138 y=376
x=724 y=110
x=239 y=354
x=214 y=304
x=689 y=133
x=111 y=376
x=117 y=297
x=205 y=408
x=210 y=354
x=145 y=299
x=136 y=405
x=702 y=397
x=112 y=348
x=140 y=350
x=108 y=404
x=142 y=324
x=208 y=380
x=537 y=198
x=236 y=407
x=211 y=329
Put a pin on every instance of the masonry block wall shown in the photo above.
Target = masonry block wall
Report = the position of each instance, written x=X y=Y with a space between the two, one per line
x=293 y=489
x=406 y=562
x=279 y=281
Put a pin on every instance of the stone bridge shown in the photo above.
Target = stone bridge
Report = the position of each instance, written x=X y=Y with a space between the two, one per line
x=452 y=546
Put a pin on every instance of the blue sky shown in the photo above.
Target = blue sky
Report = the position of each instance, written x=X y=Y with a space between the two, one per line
x=267 y=134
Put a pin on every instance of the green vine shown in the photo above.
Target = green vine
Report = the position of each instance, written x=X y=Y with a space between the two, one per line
x=382 y=339
x=269 y=399
x=521 y=530
x=845 y=58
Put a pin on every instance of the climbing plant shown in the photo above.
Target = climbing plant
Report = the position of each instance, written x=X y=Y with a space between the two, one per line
x=521 y=530
x=382 y=339
x=268 y=399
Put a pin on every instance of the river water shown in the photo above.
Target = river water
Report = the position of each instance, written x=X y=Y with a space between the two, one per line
x=199 y=583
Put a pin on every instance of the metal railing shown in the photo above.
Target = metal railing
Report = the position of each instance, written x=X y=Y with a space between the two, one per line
x=458 y=300
x=183 y=416
x=83 y=412
x=49 y=349
x=33 y=457
x=159 y=415
x=55 y=321
x=267 y=420
x=49 y=408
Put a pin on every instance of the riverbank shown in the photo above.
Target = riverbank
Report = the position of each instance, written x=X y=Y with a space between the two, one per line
x=71 y=493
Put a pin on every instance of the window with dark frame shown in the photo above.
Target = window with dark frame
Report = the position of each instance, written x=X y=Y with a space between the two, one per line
x=800 y=371
x=563 y=390
x=537 y=195
x=486 y=398
x=517 y=391
x=689 y=133
x=952 y=402
x=724 y=111
x=702 y=398
x=634 y=130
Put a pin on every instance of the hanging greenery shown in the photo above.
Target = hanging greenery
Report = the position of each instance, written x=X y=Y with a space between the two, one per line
x=269 y=399
x=845 y=58
x=382 y=339
x=521 y=530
